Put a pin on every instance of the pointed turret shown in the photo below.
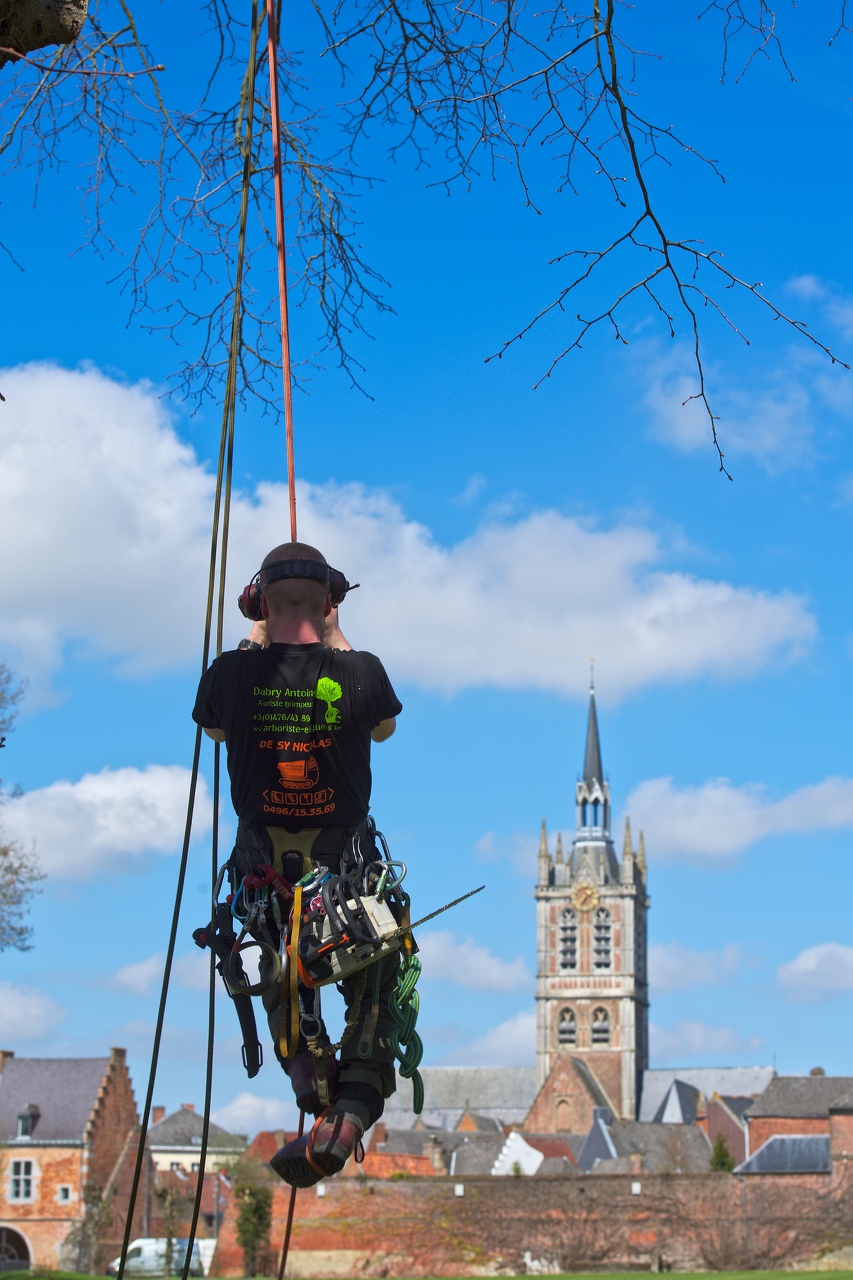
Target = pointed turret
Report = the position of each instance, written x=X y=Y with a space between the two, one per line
x=559 y=857
x=592 y=793
x=544 y=856
x=592 y=771
x=627 y=850
x=641 y=854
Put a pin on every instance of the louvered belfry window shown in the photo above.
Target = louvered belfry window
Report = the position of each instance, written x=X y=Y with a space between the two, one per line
x=568 y=940
x=602 y=942
x=600 y=1026
x=567 y=1027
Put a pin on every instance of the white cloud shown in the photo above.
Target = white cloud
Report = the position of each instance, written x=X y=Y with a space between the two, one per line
x=718 y=820
x=140 y=977
x=817 y=973
x=773 y=423
x=468 y=964
x=837 y=305
x=696 y=1040
x=107 y=820
x=673 y=967
x=249 y=1114
x=511 y=1044
x=100 y=501
x=519 y=850
x=28 y=1014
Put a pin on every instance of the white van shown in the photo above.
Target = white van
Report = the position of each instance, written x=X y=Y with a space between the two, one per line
x=147 y=1257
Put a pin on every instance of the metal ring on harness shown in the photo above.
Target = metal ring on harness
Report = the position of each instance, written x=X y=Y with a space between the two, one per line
x=232 y=974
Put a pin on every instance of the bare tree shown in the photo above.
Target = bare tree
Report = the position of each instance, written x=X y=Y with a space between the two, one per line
x=19 y=866
x=471 y=88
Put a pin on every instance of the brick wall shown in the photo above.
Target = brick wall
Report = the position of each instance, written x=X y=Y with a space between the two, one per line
x=763 y=1127
x=420 y=1227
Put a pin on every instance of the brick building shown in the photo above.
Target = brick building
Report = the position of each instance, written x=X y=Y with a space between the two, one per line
x=69 y=1129
x=591 y=984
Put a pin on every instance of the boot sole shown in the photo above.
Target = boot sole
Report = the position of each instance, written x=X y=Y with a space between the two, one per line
x=295 y=1170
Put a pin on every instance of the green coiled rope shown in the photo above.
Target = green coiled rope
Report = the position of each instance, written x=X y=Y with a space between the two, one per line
x=406 y=1043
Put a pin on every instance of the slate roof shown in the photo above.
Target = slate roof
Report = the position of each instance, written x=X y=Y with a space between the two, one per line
x=183 y=1129
x=798 y=1096
x=504 y=1094
x=790 y=1153
x=557 y=1166
x=64 y=1090
x=477 y=1154
x=679 y=1105
x=663 y=1148
x=737 y=1105
x=730 y=1081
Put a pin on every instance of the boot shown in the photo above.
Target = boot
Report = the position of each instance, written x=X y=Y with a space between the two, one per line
x=325 y=1150
x=302 y=1072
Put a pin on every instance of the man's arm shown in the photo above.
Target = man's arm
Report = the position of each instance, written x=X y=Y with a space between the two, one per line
x=384 y=729
x=334 y=638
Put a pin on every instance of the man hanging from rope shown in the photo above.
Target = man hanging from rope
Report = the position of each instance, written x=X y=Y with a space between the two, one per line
x=297 y=709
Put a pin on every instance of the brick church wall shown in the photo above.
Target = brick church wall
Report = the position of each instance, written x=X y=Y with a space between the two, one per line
x=420 y=1227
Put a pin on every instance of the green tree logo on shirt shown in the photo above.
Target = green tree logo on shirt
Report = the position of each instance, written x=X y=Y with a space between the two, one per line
x=329 y=691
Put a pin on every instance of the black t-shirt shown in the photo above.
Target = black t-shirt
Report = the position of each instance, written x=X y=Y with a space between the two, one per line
x=297 y=720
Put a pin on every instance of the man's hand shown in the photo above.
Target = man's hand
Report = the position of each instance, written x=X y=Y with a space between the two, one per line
x=384 y=729
x=334 y=638
x=218 y=735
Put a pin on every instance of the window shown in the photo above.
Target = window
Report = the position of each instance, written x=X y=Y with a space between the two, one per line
x=22 y=1179
x=194 y=1166
x=568 y=940
x=567 y=1027
x=600 y=1027
x=176 y=1166
x=65 y=1193
x=27 y=1121
x=601 y=942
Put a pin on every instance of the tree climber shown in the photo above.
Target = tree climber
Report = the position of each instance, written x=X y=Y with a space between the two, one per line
x=297 y=710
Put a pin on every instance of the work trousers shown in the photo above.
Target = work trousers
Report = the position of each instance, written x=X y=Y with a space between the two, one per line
x=298 y=852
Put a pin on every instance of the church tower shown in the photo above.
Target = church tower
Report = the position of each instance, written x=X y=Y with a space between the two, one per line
x=591 y=984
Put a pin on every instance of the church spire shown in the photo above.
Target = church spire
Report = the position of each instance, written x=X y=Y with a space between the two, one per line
x=592 y=771
x=626 y=847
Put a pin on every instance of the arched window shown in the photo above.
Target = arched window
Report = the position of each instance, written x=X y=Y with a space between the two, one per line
x=600 y=1026
x=567 y=1027
x=601 y=944
x=568 y=940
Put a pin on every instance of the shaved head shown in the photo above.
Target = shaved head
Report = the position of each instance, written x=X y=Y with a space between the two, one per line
x=292 y=598
x=293 y=551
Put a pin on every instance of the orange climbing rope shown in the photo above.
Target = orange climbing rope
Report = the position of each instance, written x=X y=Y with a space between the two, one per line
x=272 y=58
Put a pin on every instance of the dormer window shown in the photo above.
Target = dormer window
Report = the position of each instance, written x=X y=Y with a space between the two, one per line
x=27 y=1121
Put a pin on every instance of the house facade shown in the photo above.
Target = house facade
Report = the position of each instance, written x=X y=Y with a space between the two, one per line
x=68 y=1128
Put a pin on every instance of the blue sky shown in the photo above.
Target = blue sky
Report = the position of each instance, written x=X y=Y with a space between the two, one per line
x=502 y=536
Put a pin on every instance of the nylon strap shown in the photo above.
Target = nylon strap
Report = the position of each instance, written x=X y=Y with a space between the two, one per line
x=292 y=973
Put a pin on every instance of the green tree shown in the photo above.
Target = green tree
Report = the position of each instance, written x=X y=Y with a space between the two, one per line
x=19 y=867
x=254 y=1219
x=329 y=691
x=722 y=1160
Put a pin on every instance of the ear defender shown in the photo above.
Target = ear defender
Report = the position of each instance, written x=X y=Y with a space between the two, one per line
x=251 y=599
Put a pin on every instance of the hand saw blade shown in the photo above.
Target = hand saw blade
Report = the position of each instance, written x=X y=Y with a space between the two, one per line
x=398 y=933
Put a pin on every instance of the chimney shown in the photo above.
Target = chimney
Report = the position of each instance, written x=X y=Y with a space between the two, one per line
x=157 y=1114
x=188 y=1106
x=118 y=1056
x=5 y=1055
x=817 y=1071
